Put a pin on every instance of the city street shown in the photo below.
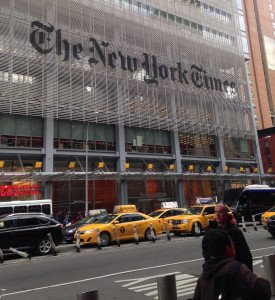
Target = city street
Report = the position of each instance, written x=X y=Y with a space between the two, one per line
x=126 y=272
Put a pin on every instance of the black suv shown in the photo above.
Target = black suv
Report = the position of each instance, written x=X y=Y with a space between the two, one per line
x=28 y=231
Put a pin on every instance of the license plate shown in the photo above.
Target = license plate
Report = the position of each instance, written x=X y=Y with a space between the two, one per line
x=175 y=227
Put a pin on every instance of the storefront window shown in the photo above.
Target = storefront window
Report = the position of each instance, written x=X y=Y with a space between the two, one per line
x=73 y=135
x=237 y=148
x=197 y=145
x=148 y=194
x=147 y=140
x=21 y=131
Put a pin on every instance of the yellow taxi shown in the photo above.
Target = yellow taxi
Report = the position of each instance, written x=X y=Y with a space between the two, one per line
x=165 y=214
x=195 y=215
x=266 y=215
x=123 y=222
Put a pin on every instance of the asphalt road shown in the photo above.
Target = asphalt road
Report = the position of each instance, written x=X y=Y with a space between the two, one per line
x=126 y=272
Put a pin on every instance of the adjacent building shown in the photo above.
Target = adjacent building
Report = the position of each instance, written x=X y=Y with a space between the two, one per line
x=259 y=23
x=123 y=101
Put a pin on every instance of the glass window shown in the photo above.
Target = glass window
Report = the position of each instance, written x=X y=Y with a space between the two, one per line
x=34 y=208
x=209 y=210
x=110 y=133
x=186 y=22
x=37 y=127
x=6 y=210
x=27 y=222
x=46 y=209
x=8 y=125
x=163 y=14
x=136 y=217
x=23 y=126
x=124 y=219
x=154 y=11
x=194 y=25
x=245 y=45
x=100 y=132
x=242 y=22
x=64 y=129
x=7 y=224
x=179 y=20
x=240 y=4
x=166 y=138
x=171 y=17
x=78 y=131
x=20 y=209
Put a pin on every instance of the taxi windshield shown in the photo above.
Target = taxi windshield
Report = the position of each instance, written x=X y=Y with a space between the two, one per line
x=272 y=209
x=196 y=210
x=88 y=219
x=106 y=219
x=156 y=213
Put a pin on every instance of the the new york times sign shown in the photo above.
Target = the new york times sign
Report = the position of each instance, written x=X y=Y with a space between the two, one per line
x=45 y=39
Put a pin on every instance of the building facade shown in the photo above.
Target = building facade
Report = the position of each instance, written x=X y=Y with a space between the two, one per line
x=123 y=101
x=260 y=27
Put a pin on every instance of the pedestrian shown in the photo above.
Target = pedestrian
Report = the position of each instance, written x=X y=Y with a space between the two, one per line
x=225 y=220
x=67 y=220
x=78 y=216
x=225 y=278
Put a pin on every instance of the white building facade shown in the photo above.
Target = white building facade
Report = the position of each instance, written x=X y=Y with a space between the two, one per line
x=154 y=90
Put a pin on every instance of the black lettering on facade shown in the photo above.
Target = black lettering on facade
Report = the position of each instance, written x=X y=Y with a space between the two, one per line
x=101 y=53
x=131 y=67
x=182 y=74
x=41 y=41
x=233 y=87
x=226 y=86
x=146 y=66
x=206 y=80
x=218 y=84
x=38 y=37
x=58 y=46
x=196 y=76
x=163 y=71
x=172 y=72
x=122 y=61
x=111 y=59
x=77 y=48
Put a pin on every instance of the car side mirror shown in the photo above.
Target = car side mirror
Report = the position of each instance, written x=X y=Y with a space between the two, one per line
x=115 y=222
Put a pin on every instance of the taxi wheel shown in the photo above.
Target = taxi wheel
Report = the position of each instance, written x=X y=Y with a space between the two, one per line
x=147 y=234
x=198 y=230
x=105 y=238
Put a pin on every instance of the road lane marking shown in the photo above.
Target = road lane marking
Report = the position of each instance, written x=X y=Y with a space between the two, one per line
x=111 y=275
x=257 y=262
x=99 y=277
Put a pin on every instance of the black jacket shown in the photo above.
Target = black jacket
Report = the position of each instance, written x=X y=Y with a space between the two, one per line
x=256 y=287
x=243 y=253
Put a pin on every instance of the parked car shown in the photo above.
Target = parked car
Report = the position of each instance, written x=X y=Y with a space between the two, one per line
x=266 y=215
x=197 y=214
x=28 y=231
x=165 y=214
x=70 y=230
x=271 y=225
x=123 y=223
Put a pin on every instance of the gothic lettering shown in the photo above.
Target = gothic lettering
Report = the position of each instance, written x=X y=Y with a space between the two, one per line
x=77 y=49
x=196 y=76
x=111 y=59
x=38 y=37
